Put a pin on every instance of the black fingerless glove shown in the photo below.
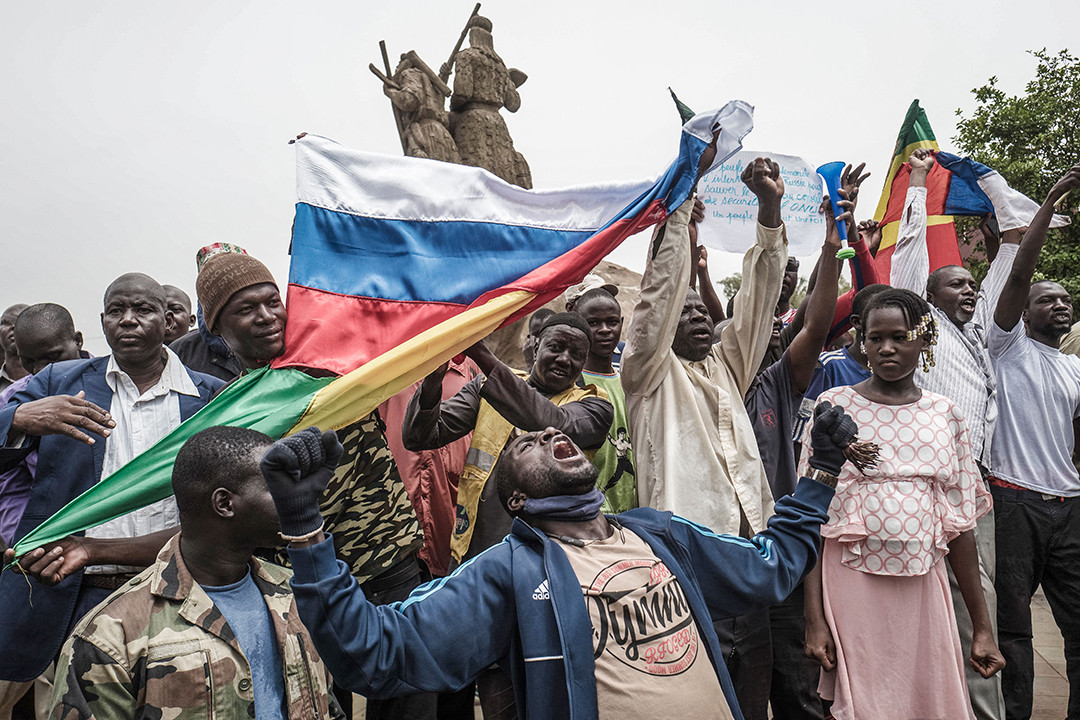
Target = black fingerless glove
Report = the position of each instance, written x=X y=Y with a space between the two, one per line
x=833 y=431
x=297 y=469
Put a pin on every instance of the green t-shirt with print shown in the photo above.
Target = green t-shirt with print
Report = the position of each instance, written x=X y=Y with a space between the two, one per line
x=615 y=458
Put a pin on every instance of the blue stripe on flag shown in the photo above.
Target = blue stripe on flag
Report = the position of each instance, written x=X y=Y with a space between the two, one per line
x=965 y=195
x=411 y=260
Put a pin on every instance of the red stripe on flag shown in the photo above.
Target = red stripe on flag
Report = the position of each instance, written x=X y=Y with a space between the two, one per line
x=941 y=245
x=340 y=333
x=550 y=279
x=937 y=192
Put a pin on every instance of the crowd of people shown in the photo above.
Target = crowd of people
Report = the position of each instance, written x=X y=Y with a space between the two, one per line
x=836 y=510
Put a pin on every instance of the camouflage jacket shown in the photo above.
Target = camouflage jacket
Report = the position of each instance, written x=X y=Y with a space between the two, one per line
x=365 y=505
x=158 y=647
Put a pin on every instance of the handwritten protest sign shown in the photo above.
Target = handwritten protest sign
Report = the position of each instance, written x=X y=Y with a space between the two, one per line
x=731 y=209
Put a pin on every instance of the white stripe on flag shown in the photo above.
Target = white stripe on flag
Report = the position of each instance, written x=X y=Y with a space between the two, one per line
x=332 y=176
x=1012 y=208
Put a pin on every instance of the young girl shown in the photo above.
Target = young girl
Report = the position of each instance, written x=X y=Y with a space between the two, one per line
x=879 y=616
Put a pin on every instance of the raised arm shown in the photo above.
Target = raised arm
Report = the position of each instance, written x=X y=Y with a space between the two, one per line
x=744 y=340
x=431 y=422
x=996 y=275
x=585 y=421
x=1014 y=295
x=663 y=294
x=911 y=259
x=656 y=315
x=802 y=353
x=707 y=290
x=436 y=640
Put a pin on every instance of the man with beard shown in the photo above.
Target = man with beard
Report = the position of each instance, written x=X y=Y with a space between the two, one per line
x=542 y=601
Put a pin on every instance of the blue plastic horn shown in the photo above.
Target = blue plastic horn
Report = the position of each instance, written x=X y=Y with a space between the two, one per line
x=831 y=172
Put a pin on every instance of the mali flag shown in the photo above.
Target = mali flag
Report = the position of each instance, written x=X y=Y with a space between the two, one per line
x=915 y=133
x=397 y=265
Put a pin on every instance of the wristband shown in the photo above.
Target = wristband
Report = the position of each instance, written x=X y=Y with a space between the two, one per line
x=311 y=535
x=825 y=478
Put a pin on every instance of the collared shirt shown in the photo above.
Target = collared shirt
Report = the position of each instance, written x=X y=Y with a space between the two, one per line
x=15 y=482
x=962 y=371
x=161 y=648
x=141 y=420
x=695 y=449
x=5 y=377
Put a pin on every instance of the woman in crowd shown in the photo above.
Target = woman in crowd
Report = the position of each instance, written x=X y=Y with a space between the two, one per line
x=879 y=616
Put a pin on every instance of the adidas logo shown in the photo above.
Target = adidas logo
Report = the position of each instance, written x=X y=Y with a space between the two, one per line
x=541 y=592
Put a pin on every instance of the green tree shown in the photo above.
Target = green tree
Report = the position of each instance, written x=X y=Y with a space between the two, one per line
x=1032 y=139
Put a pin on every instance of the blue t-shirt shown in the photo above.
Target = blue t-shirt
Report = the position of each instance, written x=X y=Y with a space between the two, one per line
x=245 y=610
x=836 y=368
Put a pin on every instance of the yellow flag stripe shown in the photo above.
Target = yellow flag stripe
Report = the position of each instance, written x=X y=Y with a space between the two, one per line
x=899 y=159
x=353 y=396
x=891 y=231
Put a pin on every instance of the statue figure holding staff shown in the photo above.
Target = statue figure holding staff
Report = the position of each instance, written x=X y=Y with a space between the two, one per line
x=482 y=86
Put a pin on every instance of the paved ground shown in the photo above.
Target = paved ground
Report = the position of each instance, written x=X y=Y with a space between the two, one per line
x=1051 y=687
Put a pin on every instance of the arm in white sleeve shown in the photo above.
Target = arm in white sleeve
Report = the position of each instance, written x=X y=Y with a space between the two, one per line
x=656 y=315
x=911 y=259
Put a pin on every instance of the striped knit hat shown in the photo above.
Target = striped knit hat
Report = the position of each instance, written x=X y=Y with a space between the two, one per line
x=224 y=270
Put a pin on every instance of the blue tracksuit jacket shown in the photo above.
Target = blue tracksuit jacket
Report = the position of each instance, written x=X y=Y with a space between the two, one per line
x=520 y=604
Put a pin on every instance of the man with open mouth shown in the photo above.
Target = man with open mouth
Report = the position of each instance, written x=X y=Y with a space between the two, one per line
x=594 y=616
x=961 y=372
x=695 y=448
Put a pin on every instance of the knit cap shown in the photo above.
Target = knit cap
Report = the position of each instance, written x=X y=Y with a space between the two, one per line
x=224 y=270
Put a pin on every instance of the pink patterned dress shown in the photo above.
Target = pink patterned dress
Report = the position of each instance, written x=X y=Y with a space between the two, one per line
x=885 y=585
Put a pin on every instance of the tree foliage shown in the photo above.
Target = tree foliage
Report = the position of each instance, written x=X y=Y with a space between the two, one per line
x=1032 y=139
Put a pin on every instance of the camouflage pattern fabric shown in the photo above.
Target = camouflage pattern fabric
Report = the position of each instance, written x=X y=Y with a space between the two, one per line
x=159 y=648
x=365 y=505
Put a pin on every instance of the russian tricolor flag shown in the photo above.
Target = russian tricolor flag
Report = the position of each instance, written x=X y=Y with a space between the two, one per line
x=397 y=265
x=388 y=248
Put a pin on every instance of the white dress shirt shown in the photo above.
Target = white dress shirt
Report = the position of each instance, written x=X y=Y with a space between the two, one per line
x=141 y=420
x=962 y=370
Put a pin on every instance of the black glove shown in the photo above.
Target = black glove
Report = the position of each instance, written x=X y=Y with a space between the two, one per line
x=297 y=469
x=833 y=431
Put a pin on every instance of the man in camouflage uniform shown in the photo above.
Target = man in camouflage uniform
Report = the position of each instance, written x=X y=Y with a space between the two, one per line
x=365 y=505
x=175 y=642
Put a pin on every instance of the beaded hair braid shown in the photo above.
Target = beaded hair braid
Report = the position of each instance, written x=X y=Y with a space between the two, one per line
x=916 y=313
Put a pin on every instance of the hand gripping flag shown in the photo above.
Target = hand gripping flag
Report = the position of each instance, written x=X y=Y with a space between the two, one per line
x=397 y=265
x=955 y=186
x=915 y=133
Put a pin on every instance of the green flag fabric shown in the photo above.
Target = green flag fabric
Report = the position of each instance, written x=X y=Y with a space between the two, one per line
x=268 y=400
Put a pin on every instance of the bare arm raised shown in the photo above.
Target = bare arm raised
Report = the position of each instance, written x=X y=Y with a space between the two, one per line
x=1014 y=295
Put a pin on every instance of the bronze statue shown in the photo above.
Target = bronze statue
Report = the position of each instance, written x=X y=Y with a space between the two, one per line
x=482 y=86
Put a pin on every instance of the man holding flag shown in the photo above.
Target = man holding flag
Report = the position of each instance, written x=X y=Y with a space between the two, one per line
x=696 y=450
x=62 y=412
x=963 y=373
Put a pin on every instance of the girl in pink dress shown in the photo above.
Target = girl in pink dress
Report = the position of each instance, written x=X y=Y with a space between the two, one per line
x=879 y=616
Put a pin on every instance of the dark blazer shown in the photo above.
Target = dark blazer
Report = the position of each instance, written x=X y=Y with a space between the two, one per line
x=32 y=634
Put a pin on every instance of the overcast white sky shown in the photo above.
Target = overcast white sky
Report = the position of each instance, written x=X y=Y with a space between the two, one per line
x=136 y=132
